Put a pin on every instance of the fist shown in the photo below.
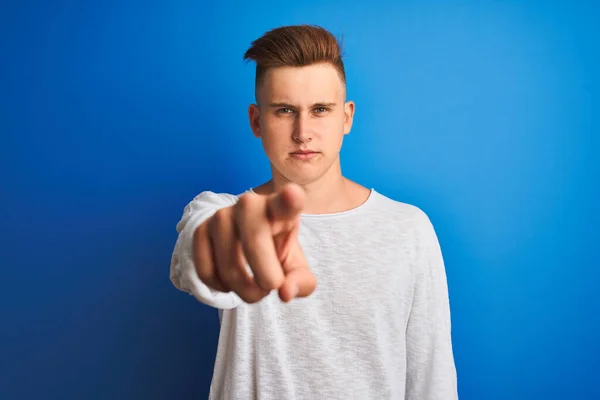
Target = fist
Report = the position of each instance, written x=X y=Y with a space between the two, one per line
x=252 y=247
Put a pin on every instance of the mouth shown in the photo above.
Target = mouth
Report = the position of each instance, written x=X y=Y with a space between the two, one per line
x=304 y=154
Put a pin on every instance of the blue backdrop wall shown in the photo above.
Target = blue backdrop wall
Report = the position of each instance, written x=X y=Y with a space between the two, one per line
x=115 y=114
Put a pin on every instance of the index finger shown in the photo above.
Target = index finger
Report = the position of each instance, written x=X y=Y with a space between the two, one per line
x=284 y=208
x=255 y=235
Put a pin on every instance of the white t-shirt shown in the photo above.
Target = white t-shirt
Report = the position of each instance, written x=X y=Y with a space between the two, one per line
x=376 y=327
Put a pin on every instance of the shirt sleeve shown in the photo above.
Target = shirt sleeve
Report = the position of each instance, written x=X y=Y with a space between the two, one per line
x=182 y=270
x=431 y=372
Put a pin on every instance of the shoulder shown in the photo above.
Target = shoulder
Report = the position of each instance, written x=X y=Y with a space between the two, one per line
x=399 y=210
x=412 y=225
x=216 y=197
x=204 y=204
x=211 y=199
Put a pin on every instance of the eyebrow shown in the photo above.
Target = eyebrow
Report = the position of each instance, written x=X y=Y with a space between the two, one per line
x=287 y=105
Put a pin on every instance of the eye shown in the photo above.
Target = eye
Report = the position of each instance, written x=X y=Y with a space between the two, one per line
x=284 y=110
x=320 y=110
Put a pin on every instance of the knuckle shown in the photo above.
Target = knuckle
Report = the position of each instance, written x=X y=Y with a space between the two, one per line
x=219 y=218
x=250 y=297
x=247 y=205
x=203 y=272
x=245 y=202
x=238 y=267
x=228 y=277
x=200 y=235
x=253 y=299
x=270 y=282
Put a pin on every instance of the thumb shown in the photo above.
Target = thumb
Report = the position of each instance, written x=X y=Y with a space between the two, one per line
x=299 y=279
x=299 y=282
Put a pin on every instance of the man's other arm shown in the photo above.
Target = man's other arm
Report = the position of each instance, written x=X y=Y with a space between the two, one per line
x=431 y=372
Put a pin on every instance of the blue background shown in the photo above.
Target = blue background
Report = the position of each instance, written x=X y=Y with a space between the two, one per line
x=114 y=115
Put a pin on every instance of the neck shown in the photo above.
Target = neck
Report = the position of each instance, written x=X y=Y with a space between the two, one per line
x=331 y=193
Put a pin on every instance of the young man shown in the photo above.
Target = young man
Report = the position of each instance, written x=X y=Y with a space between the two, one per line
x=325 y=289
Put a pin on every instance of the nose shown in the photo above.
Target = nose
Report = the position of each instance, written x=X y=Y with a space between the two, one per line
x=302 y=132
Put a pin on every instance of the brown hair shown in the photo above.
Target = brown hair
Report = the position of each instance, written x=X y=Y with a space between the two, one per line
x=295 y=46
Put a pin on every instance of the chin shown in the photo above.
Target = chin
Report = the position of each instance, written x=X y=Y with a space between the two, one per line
x=303 y=181
x=306 y=177
x=300 y=177
x=299 y=172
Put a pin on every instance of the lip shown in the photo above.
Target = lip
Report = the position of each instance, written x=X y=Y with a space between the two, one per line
x=304 y=155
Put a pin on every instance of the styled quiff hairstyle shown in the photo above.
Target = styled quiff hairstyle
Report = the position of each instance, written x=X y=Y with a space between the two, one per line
x=295 y=46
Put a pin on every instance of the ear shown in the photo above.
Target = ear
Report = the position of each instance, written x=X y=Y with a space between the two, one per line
x=254 y=118
x=348 y=116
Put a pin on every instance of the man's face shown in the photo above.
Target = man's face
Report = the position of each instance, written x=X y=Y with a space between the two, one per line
x=302 y=109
